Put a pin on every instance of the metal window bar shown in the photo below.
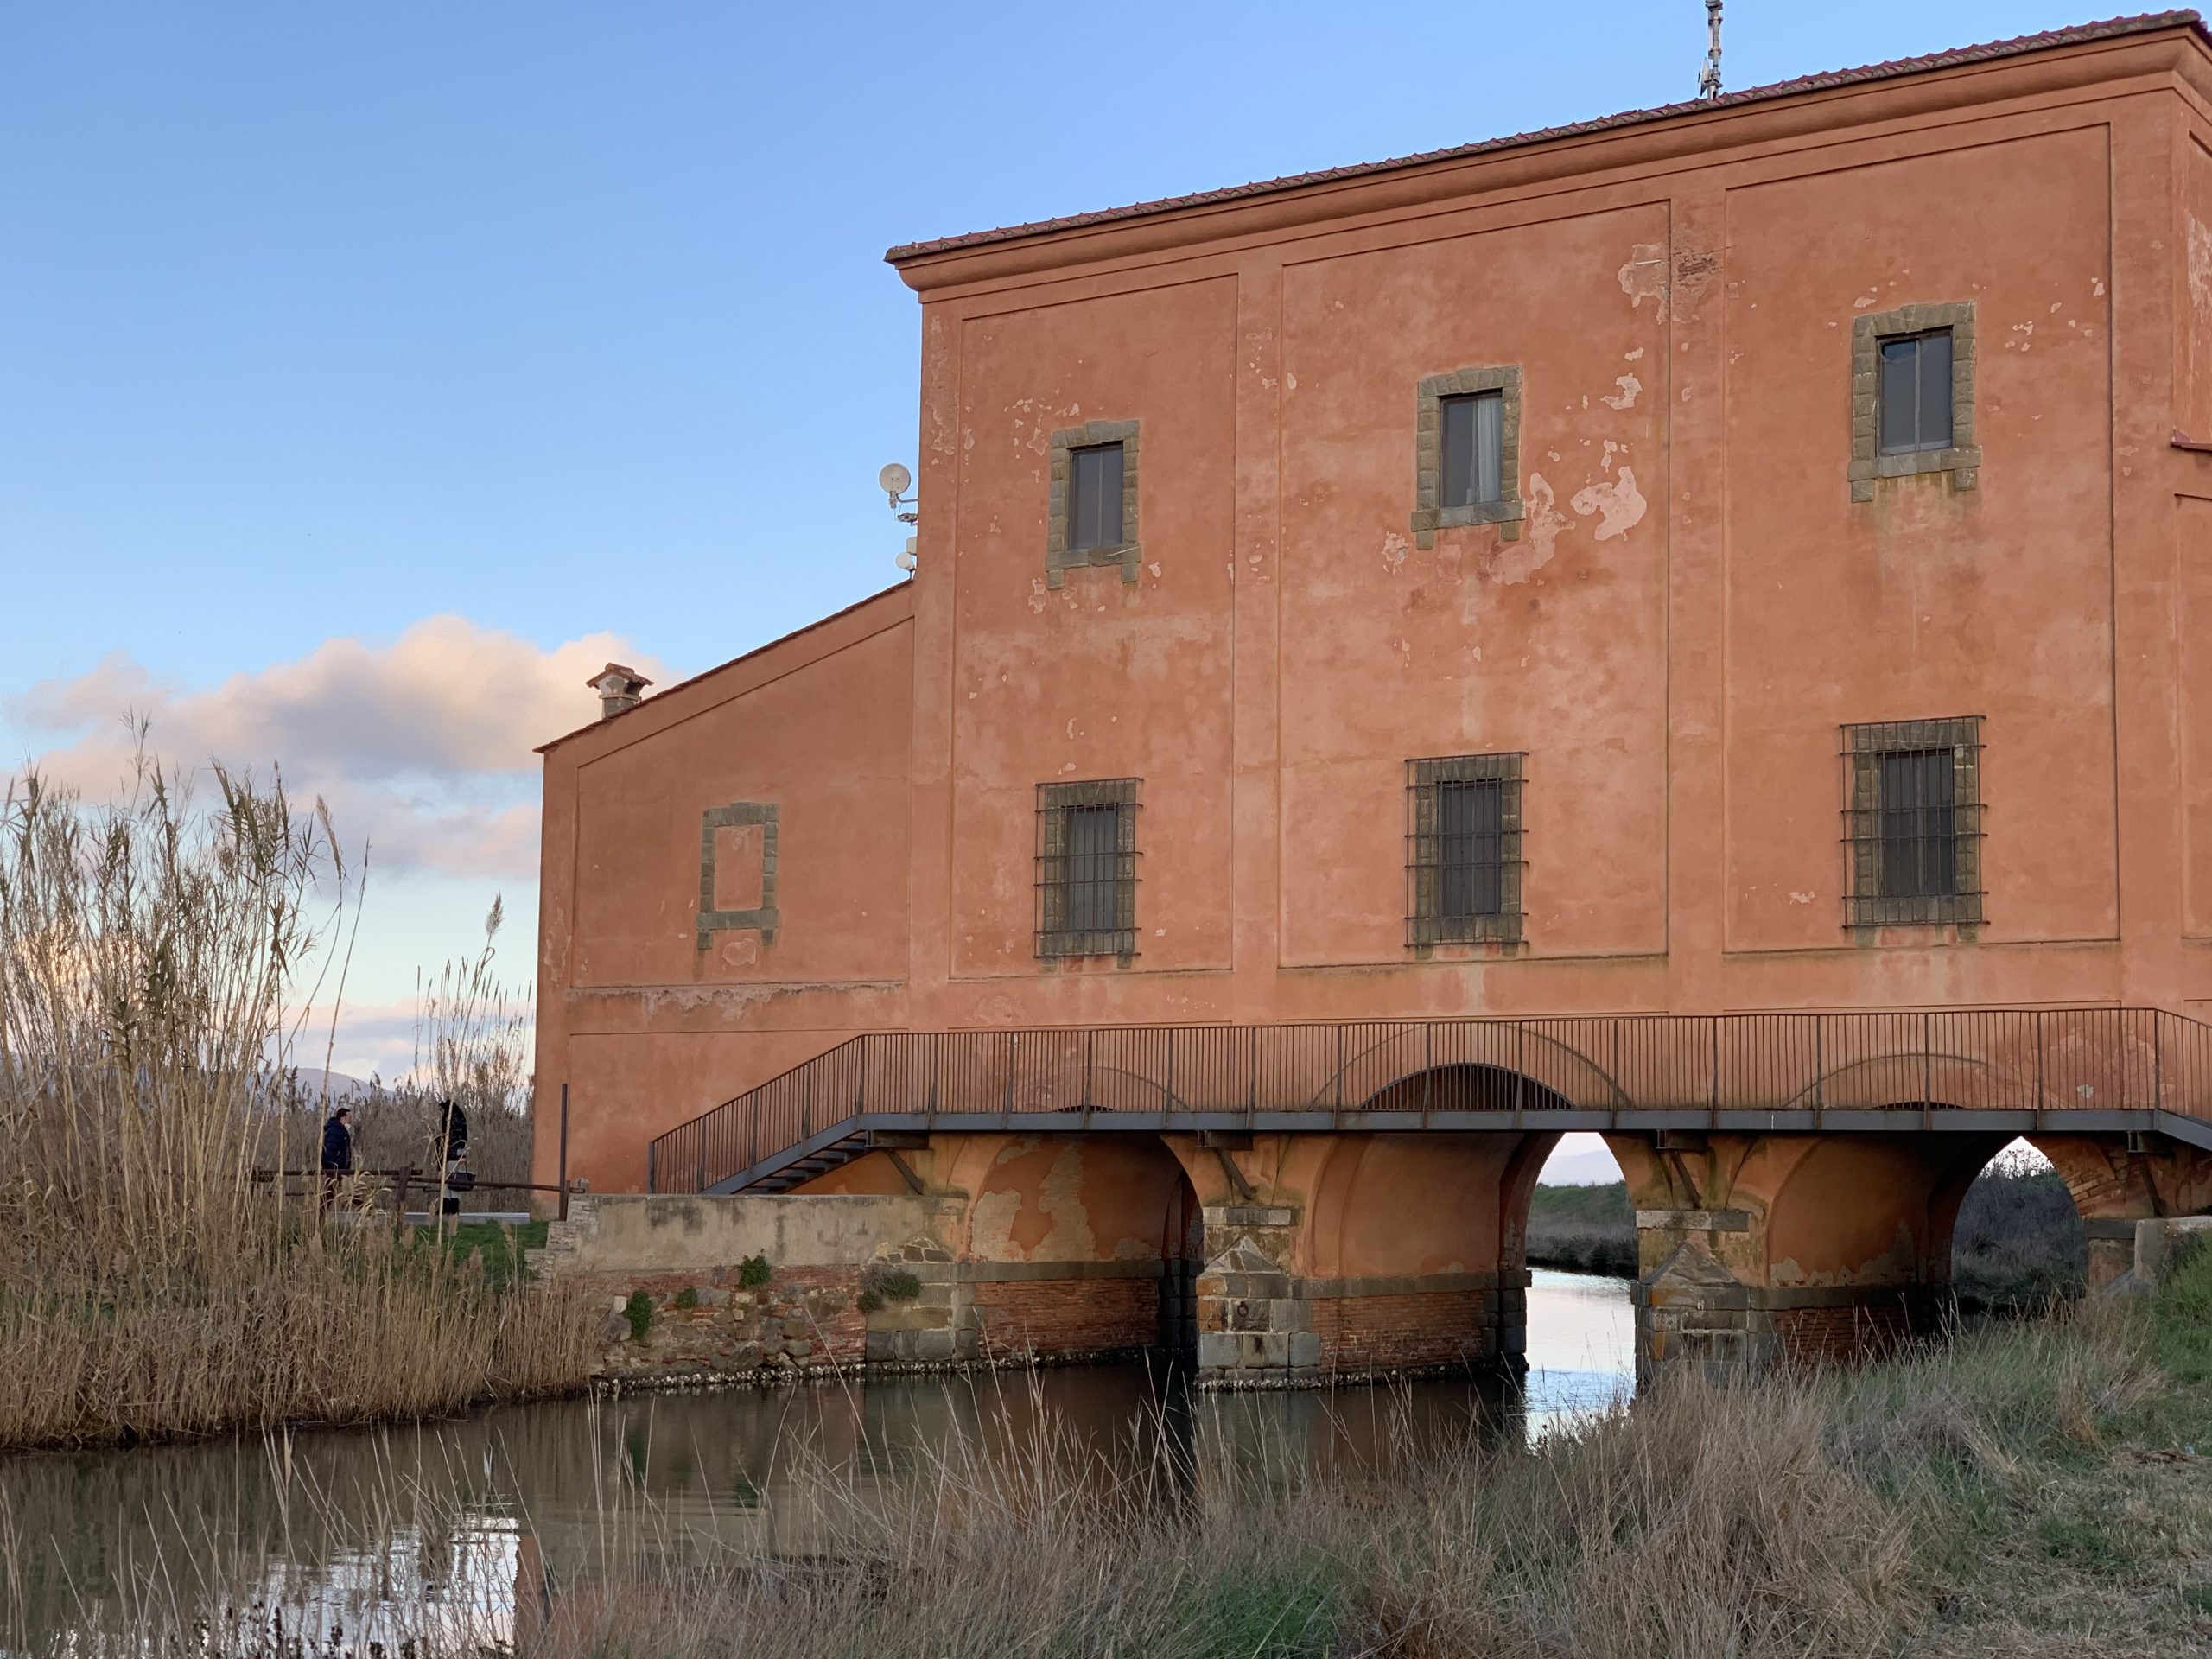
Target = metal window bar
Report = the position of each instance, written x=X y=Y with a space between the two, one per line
x=1463 y=842
x=1087 y=869
x=1913 y=822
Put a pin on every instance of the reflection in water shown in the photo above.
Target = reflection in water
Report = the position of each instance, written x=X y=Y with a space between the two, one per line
x=348 y=1525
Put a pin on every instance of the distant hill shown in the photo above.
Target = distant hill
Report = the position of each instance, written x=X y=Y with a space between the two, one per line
x=313 y=1081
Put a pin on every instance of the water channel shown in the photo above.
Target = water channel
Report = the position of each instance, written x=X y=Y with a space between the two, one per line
x=356 y=1527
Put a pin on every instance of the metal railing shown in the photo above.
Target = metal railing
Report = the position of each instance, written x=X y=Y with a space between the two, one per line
x=2048 y=1059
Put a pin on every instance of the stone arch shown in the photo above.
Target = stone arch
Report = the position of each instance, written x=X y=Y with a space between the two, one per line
x=1387 y=1205
x=2079 y=1187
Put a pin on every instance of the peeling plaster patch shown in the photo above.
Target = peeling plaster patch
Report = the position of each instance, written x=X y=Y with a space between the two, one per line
x=1154 y=566
x=2199 y=264
x=1619 y=505
x=1629 y=385
x=990 y=1224
x=1060 y=1197
x=1644 y=276
x=1290 y=383
x=1516 y=562
x=1800 y=898
x=1037 y=598
x=1634 y=356
x=1861 y=303
x=2097 y=286
x=2026 y=331
x=1393 y=551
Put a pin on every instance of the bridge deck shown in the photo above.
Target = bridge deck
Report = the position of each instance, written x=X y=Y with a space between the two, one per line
x=1984 y=1072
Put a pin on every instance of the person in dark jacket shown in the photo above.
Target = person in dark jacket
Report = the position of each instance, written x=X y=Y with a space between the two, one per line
x=454 y=1131
x=337 y=1153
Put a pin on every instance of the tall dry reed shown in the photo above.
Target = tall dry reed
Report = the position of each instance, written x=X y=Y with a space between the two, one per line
x=149 y=1285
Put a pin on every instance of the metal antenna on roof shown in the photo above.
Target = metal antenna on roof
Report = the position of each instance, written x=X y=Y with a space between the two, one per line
x=1709 y=81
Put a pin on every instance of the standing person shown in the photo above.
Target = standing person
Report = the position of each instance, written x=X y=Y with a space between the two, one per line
x=337 y=1153
x=453 y=1134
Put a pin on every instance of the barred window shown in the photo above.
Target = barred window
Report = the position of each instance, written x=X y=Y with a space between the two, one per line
x=1463 y=849
x=1087 y=869
x=1912 y=826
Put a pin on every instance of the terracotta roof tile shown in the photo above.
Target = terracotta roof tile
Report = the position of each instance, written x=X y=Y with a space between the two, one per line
x=2079 y=34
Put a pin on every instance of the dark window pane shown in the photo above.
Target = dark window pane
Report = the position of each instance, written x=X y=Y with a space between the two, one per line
x=1471 y=430
x=1918 y=813
x=1915 y=393
x=1469 y=823
x=1093 y=869
x=1457 y=483
x=1095 y=497
x=1936 y=390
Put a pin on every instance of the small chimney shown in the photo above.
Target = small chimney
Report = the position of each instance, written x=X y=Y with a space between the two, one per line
x=619 y=687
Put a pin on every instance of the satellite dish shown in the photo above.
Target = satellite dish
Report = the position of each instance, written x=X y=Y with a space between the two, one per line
x=894 y=479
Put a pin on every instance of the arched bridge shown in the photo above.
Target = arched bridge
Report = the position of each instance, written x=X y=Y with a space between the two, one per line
x=1356 y=1190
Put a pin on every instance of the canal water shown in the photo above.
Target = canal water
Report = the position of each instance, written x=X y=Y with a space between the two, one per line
x=362 y=1528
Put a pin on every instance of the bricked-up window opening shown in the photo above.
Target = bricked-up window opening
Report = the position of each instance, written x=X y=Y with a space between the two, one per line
x=1095 y=498
x=1087 y=869
x=1916 y=392
x=1463 y=849
x=1913 y=822
x=1472 y=448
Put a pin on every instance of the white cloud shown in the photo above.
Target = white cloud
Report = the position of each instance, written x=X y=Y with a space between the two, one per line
x=421 y=748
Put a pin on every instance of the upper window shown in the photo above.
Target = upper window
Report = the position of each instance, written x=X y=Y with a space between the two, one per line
x=1095 y=498
x=1463 y=849
x=1912 y=377
x=1087 y=869
x=1092 y=515
x=1467 y=453
x=1913 y=821
x=1916 y=392
x=1473 y=429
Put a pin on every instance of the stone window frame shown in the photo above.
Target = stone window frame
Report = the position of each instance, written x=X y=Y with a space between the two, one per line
x=1866 y=908
x=762 y=918
x=1425 y=926
x=1059 y=558
x=1962 y=461
x=1054 y=939
x=1507 y=512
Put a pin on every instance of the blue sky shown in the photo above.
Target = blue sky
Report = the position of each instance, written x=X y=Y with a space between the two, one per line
x=567 y=324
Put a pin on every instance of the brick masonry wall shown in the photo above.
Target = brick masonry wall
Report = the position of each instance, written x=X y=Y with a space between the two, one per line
x=1361 y=1333
x=1066 y=1317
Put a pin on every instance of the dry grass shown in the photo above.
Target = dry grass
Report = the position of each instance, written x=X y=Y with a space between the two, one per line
x=1919 y=1506
x=148 y=1287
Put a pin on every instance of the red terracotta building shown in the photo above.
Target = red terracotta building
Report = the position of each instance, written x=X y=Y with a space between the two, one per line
x=1747 y=555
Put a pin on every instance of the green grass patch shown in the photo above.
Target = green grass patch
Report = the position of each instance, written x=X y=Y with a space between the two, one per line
x=752 y=1272
x=638 y=1310
x=686 y=1298
x=1287 y=1610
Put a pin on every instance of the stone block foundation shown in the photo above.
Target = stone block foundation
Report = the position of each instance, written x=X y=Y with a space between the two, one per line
x=1262 y=1326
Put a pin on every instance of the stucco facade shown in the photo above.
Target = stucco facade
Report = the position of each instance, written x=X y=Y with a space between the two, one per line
x=1703 y=589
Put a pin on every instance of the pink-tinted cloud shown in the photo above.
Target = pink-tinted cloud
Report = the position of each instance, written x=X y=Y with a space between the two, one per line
x=421 y=748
